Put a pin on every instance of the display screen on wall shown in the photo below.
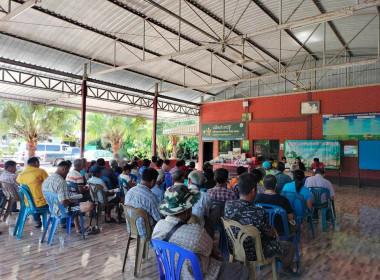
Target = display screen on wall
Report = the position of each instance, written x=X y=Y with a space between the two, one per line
x=223 y=131
x=352 y=126
x=328 y=152
x=369 y=154
x=350 y=151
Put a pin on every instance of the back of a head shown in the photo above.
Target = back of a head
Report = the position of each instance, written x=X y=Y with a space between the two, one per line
x=177 y=176
x=154 y=159
x=159 y=162
x=206 y=166
x=221 y=175
x=9 y=163
x=167 y=162
x=240 y=170
x=149 y=174
x=32 y=160
x=114 y=163
x=247 y=183
x=209 y=174
x=84 y=161
x=65 y=164
x=283 y=158
x=178 y=163
x=280 y=166
x=146 y=162
x=267 y=165
x=298 y=176
x=271 y=159
x=92 y=163
x=192 y=164
x=196 y=178
x=320 y=171
x=258 y=173
x=127 y=167
x=78 y=163
x=316 y=159
x=101 y=162
x=270 y=182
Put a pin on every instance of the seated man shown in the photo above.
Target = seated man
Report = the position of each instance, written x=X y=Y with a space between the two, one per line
x=141 y=196
x=270 y=196
x=178 y=178
x=145 y=165
x=157 y=188
x=178 y=166
x=95 y=180
x=33 y=176
x=319 y=181
x=153 y=162
x=282 y=178
x=9 y=176
x=244 y=212
x=158 y=164
x=75 y=176
x=209 y=179
x=239 y=170
x=125 y=175
x=165 y=166
x=56 y=183
x=287 y=164
x=108 y=172
x=317 y=164
x=268 y=167
x=177 y=206
x=220 y=191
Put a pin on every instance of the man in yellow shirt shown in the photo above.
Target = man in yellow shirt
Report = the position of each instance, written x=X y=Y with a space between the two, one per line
x=33 y=176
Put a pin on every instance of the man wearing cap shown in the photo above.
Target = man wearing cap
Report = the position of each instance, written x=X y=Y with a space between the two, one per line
x=157 y=188
x=141 y=196
x=177 y=206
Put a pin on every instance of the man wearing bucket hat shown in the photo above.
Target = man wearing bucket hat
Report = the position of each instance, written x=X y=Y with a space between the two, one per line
x=177 y=206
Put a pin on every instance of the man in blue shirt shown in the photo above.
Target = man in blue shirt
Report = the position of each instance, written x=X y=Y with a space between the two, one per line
x=282 y=178
x=141 y=196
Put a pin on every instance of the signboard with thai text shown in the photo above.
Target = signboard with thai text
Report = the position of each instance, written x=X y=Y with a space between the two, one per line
x=223 y=131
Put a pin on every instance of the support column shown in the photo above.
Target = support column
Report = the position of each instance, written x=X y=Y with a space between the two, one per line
x=154 y=140
x=83 y=111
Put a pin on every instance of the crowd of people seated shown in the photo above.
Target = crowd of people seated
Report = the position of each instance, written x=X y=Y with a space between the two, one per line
x=181 y=202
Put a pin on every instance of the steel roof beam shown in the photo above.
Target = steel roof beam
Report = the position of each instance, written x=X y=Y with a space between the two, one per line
x=113 y=37
x=36 y=81
x=19 y=10
x=333 y=27
x=79 y=77
x=93 y=60
x=219 y=20
x=175 y=32
x=276 y=20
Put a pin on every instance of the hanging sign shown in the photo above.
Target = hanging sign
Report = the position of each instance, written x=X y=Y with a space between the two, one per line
x=223 y=131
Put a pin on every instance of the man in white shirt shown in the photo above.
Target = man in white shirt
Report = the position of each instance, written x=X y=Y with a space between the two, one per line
x=319 y=181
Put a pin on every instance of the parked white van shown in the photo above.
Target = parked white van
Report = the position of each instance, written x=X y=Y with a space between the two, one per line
x=46 y=152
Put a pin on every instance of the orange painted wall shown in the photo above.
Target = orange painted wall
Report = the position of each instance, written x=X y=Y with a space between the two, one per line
x=278 y=117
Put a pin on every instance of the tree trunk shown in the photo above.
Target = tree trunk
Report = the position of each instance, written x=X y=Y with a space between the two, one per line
x=32 y=146
x=174 y=152
x=115 y=149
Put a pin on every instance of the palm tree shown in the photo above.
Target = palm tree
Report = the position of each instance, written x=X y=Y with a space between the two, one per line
x=162 y=145
x=174 y=140
x=33 y=122
x=107 y=128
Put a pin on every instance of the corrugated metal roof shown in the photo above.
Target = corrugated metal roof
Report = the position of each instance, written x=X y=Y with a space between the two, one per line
x=112 y=21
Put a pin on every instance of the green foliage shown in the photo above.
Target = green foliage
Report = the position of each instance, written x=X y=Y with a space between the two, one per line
x=190 y=146
x=140 y=149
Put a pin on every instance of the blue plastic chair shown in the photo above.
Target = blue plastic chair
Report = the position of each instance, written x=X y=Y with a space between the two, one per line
x=52 y=197
x=273 y=211
x=168 y=180
x=124 y=187
x=318 y=193
x=25 y=211
x=220 y=228
x=133 y=177
x=167 y=267
x=107 y=181
x=203 y=190
x=300 y=211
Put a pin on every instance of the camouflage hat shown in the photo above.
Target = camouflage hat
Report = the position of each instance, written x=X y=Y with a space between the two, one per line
x=178 y=199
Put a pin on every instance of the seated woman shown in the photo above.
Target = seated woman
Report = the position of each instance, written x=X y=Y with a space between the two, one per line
x=300 y=164
x=297 y=186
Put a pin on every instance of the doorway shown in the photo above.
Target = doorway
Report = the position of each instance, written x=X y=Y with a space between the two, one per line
x=208 y=151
